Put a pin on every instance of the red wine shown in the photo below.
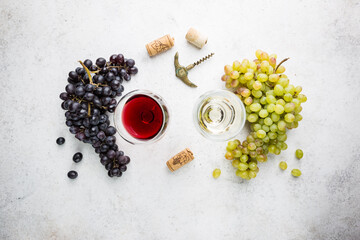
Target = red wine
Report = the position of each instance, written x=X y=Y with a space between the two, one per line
x=142 y=117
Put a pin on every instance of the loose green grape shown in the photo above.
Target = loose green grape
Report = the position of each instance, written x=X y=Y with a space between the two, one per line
x=275 y=117
x=229 y=156
x=302 y=98
x=216 y=173
x=260 y=133
x=248 y=76
x=243 y=166
x=288 y=97
x=232 y=145
x=251 y=146
x=296 y=172
x=270 y=108
x=237 y=153
x=283 y=165
x=263 y=113
x=298 y=117
x=289 y=107
x=252 y=117
x=268 y=121
x=299 y=153
x=270 y=99
x=256 y=93
x=252 y=174
x=273 y=127
x=244 y=158
x=279 y=109
x=257 y=127
x=289 y=117
x=278 y=90
x=265 y=128
x=262 y=77
x=252 y=165
x=235 y=163
x=255 y=107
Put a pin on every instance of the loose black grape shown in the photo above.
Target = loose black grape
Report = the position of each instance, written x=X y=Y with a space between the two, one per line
x=77 y=157
x=100 y=62
x=72 y=174
x=60 y=141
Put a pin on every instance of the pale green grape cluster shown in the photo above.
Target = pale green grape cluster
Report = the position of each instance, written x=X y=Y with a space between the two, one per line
x=272 y=104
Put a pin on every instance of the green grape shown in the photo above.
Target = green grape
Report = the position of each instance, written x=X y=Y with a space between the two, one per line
x=244 y=158
x=247 y=109
x=265 y=128
x=229 y=156
x=252 y=165
x=283 y=165
x=251 y=174
x=250 y=84
x=216 y=173
x=264 y=66
x=251 y=146
x=268 y=121
x=243 y=166
x=225 y=78
x=256 y=93
x=261 y=158
x=234 y=74
x=288 y=97
x=252 y=154
x=263 y=100
x=270 y=99
x=274 y=78
x=298 y=109
x=237 y=141
x=228 y=69
x=261 y=121
x=273 y=127
x=257 y=85
x=289 y=107
x=255 y=107
x=250 y=138
x=237 y=153
x=275 y=117
x=252 y=66
x=257 y=127
x=272 y=148
x=298 y=117
x=272 y=135
x=232 y=145
x=235 y=83
x=296 y=172
x=296 y=102
x=245 y=144
x=262 y=77
x=263 y=88
x=236 y=65
x=278 y=90
x=235 y=163
x=281 y=102
x=228 y=85
x=248 y=76
x=260 y=133
x=248 y=101
x=244 y=174
x=283 y=82
x=238 y=173
x=298 y=89
x=290 y=89
x=271 y=107
x=256 y=100
x=289 y=117
x=263 y=113
x=279 y=109
x=242 y=79
x=277 y=151
x=270 y=92
x=281 y=125
x=259 y=150
x=244 y=151
x=265 y=149
x=302 y=98
x=245 y=92
x=283 y=146
x=228 y=149
x=270 y=70
x=282 y=137
x=252 y=117
x=299 y=153
x=266 y=139
x=259 y=142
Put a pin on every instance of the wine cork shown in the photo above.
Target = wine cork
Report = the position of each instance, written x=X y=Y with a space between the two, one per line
x=180 y=159
x=196 y=38
x=160 y=45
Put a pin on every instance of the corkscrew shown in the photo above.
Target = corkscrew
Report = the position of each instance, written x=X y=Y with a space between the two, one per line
x=182 y=72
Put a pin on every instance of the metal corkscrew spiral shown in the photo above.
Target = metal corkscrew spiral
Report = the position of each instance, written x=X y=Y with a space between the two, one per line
x=203 y=59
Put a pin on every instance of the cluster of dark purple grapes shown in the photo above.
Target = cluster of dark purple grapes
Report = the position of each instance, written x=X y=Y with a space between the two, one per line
x=90 y=94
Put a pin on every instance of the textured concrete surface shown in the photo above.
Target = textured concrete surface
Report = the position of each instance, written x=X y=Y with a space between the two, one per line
x=40 y=41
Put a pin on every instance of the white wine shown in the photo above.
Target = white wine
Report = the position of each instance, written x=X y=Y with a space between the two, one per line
x=219 y=115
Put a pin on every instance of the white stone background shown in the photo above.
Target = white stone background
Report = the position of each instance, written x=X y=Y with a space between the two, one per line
x=41 y=41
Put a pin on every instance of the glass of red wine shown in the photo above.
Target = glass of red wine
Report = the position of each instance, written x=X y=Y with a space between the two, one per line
x=141 y=117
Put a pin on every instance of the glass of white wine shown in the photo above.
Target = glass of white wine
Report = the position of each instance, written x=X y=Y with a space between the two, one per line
x=219 y=115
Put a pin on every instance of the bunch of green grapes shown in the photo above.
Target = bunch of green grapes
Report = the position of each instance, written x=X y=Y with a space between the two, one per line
x=272 y=104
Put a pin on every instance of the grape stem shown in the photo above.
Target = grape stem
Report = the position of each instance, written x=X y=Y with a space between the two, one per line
x=281 y=63
x=88 y=72
x=89 y=109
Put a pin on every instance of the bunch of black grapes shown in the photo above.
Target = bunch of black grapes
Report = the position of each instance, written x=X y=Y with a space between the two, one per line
x=90 y=94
